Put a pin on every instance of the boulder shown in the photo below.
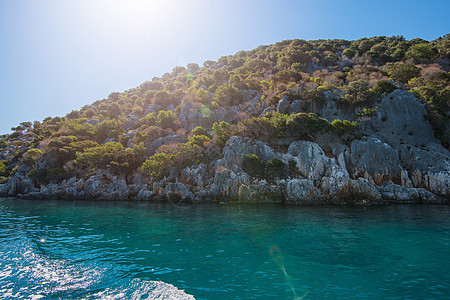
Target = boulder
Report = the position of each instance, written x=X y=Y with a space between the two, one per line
x=152 y=108
x=302 y=191
x=166 y=140
x=400 y=119
x=311 y=161
x=283 y=105
x=401 y=194
x=172 y=191
x=297 y=106
x=427 y=169
x=227 y=183
x=374 y=160
x=260 y=192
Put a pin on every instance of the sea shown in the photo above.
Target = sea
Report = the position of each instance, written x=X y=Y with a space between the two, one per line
x=57 y=249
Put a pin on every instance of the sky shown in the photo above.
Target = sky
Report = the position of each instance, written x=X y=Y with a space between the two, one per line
x=59 y=55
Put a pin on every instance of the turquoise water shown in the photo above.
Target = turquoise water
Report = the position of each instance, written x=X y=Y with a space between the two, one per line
x=135 y=250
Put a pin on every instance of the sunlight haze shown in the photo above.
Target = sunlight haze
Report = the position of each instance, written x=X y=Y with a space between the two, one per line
x=57 y=56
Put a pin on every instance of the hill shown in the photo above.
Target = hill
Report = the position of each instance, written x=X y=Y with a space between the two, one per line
x=325 y=121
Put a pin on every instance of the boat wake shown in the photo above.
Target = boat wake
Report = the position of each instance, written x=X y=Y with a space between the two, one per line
x=29 y=275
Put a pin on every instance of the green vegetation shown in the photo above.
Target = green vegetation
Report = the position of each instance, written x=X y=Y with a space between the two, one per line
x=271 y=169
x=116 y=133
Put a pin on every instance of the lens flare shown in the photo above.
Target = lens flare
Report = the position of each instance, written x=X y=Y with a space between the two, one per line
x=277 y=257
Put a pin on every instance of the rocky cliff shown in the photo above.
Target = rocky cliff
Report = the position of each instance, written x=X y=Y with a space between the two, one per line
x=395 y=159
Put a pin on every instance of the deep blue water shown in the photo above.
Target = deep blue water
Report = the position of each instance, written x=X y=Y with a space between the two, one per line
x=136 y=250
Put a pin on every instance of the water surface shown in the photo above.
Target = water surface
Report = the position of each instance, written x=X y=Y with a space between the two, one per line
x=138 y=250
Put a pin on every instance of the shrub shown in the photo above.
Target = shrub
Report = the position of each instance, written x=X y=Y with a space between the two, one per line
x=285 y=76
x=305 y=125
x=4 y=171
x=110 y=155
x=162 y=98
x=156 y=165
x=221 y=132
x=357 y=91
x=256 y=128
x=199 y=131
x=384 y=87
x=274 y=168
x=32 y=156
x=227 y=95
x=402 y=72
x=198 y=140
x=365 y=112
x=344 y=126
x=253 y=165
x=166 y=119
x=421 y=53
x=350 y=53
x=150 y=119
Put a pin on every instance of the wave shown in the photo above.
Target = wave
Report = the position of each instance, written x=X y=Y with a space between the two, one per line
x=25 y=274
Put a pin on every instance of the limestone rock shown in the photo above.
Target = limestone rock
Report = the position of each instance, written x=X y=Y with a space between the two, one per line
x=428 y=169
x=260 y=192
x=302 y=191
x=283 y=105
x=311 y=161
x=374 y=160
x=400 y=118
x=397 y=193
x=166 y=140
x=297 y=106
x=152 y=108
x=173 y=191
x=226 y=184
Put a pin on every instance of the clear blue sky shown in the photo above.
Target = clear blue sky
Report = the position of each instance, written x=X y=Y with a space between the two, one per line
x=58 y=55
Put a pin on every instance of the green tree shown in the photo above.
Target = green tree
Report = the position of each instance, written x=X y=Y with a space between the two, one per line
x=421 y=53
x=402 y=72
x=227 y=95
x=221 y=132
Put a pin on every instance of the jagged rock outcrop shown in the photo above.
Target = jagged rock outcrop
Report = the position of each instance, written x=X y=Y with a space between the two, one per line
x=173 y=191
x=166 y=140
x=374 y=160
x=400 y=119
x=427 y=169
x=283 y=105
x=302 y=191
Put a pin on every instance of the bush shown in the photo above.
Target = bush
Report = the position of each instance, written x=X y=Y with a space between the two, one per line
x=344 y=126
x=365 y=112
x=227 y=95
x=221 y=132
x=306 y=125
x=357 y=91
x=402 y=72
x=421 y=53
x=199 y=131
x=162 y=98
x=166 y=119
x=198 y=140
x=350 y=53
x=274 y=168
x=4 y=171
x=384 y=87
x=253 y=165
x=110 y=155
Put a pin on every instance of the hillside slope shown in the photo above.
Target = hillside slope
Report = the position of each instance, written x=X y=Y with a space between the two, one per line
x=327 y=121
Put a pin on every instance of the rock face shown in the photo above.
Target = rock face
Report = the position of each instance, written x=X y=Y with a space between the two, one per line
x=374 y=160
x=400 y=119
x=283 y=105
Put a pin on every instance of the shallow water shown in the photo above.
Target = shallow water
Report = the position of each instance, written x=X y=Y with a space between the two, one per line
x=136 y=250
